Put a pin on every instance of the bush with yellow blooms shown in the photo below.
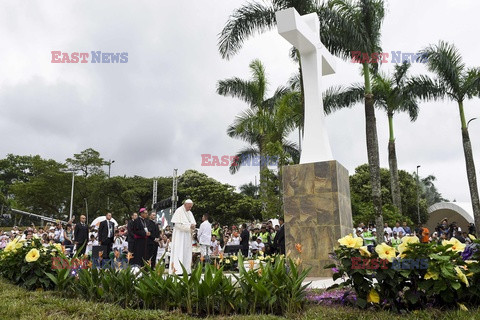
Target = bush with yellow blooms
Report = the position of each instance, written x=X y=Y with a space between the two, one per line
x=444 y=278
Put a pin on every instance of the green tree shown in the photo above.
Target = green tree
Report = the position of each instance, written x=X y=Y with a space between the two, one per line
x=393 y=94
x=46 y=191
x=429 y=191
x=249 y=189
x=258 y=125
x=457 y=83
x=355 y=26
x=362 y=206
x=219 y=200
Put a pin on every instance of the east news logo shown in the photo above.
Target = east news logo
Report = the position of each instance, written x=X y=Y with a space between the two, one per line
x=95 y=57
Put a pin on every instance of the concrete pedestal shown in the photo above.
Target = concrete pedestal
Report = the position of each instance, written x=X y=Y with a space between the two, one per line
x=317 y=211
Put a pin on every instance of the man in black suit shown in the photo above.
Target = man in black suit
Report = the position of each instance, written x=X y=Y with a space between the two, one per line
x=130 y=236
x=140 y=233
x=152 y=244
x=279 y=240
x=106 y=232
x=244 y=236
x=80 y=235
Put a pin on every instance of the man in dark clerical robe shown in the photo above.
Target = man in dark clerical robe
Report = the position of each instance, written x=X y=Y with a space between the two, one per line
x=245 y=237
x=130 y=236
x=279 y=240
x=140 y=234
x=80 y=236
x=152 y=240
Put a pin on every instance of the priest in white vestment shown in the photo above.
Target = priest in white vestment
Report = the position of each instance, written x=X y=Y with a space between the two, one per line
x=184 y=225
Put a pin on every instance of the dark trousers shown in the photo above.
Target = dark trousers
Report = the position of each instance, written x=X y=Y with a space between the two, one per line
x=108 y=243
x=131 y=246
x=80 y=249
x=152 y=254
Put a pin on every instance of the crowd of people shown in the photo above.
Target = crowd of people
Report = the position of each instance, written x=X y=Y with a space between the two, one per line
x=393 y=236
x=143 y=240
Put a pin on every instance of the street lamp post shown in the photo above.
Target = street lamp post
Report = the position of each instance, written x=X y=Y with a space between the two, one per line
x=86 y=208
x=72 y=170
x=71 y=195
x=418 y=196
x=109 y=164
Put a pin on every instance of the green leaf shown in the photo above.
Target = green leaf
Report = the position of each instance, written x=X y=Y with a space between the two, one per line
x=455 y=285
x=362 y=303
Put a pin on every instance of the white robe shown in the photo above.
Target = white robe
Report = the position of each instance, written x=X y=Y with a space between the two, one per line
x=181 y=241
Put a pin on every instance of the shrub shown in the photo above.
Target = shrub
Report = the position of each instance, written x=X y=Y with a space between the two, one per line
x=413 y=276
x=27 y=263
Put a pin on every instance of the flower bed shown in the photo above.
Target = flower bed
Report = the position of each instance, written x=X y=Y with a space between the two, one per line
x=27 y=263
x=411 y=277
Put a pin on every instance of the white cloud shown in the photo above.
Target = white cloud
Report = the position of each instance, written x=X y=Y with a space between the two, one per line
x=160 y=111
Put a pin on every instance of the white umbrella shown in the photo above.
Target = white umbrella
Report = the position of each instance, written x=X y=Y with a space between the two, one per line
x=97 y=221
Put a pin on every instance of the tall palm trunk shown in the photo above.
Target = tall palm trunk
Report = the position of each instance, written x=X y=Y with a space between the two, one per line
x=471 y=175
x=392 y=162
x=373 y=155
x=263 y=180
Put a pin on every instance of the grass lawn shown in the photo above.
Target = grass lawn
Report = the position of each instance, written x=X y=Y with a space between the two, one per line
x=16 y=303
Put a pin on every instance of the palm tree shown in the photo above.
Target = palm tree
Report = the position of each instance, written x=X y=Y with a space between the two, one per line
x=261 y=125
x=345 y=27
x=393 y=94
x=256 y=17
x=355 y=26
x=457 y=83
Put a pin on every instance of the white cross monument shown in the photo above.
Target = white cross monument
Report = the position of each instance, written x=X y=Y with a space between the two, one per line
x=303 y=32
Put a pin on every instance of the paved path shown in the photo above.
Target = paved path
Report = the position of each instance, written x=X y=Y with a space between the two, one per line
x=321 y=283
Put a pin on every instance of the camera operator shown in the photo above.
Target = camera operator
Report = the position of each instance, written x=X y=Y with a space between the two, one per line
x=471 y=229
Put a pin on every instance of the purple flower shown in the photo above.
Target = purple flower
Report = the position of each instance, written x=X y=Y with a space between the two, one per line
x=469 y=251
x=335 y=270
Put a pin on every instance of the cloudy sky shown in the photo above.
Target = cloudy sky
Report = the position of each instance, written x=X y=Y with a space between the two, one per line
x=160 y=111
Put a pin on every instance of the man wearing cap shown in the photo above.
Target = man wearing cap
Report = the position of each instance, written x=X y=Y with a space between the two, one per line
x=184 y=225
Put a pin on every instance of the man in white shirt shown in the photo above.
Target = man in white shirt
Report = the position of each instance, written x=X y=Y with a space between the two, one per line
x=386 y=228
x=204 y=236
x=397 y=229
x=260 y=245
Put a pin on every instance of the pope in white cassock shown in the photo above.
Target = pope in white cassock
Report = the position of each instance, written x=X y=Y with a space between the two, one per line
x=184 y=225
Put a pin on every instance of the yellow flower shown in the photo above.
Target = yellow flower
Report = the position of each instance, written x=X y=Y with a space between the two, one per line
x=18 y=245
x=462 y=276
x=456 y=245
x=410 y=239
x=373 y=296
x=364 y=251
x=58 y=246
x=32 y=255
x=10 y=247
x=261 y=258
x=385 y=252
x=351 y=242
x=298 y=261
x=235 y=258
x=472 y=237
x=431 y=275
x=260 y=253
x=227 y=261
x=462 y=307
x=470 y=261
